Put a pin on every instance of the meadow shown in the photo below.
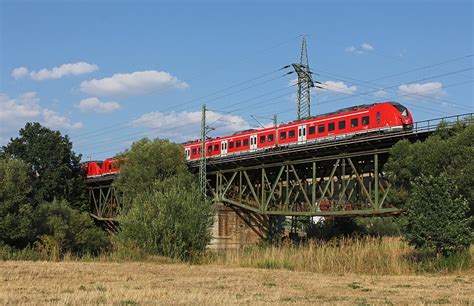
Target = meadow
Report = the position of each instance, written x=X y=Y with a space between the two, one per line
x=346 y=271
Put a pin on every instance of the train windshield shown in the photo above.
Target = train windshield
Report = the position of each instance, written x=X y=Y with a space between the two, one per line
x=402 y=109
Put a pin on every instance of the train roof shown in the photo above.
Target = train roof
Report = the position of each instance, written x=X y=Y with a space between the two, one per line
x=339 y=111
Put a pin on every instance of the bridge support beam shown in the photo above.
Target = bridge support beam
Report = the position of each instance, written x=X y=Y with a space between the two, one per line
x=340 y=185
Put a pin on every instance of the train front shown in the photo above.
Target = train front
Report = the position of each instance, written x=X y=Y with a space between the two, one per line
x=405 y=117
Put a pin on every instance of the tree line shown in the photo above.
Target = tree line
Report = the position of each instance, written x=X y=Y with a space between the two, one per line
x=43 y=203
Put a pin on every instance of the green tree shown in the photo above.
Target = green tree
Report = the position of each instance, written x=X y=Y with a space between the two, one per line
x=172 y=219
x=54 y=168
x=436 y=218
x=148 y=161
x=16 y=211
x=449 y=151
x=61 y=229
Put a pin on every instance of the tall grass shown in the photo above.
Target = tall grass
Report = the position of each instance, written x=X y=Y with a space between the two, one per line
x=367 y=255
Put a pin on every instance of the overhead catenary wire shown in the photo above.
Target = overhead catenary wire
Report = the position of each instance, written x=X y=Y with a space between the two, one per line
x=98 y=132
x=333 y=100
x=101 y=131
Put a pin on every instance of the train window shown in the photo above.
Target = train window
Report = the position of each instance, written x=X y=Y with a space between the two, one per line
x=331 y=127
x=378 y=117
x=262 y=139
x=283 y=135
x=321 y=128
x=354 y=122
x=231 y=145
x=270 y=138
x=312 y=130
x=246 y=142
x=194 y=151
x=216 y=147
x=238 y=143
x=365 y=120
x=342 y=124
x=291 y=134
x=209 y=149
x=199 y=151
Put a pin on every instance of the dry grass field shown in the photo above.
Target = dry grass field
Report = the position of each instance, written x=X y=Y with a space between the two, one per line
x=23 y=282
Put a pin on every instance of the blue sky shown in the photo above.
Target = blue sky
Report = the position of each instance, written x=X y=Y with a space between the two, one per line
x=110 y=72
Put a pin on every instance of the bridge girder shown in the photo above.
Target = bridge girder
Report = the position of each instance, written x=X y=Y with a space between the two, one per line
x=339 y=185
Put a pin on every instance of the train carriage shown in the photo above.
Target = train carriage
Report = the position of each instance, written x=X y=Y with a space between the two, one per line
x=344 y=123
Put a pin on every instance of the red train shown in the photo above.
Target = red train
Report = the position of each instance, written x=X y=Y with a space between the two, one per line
x=344 y=123
x=101 y=168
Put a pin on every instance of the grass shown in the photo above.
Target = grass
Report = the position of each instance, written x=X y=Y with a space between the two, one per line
x=136 y=283
x=373 y=256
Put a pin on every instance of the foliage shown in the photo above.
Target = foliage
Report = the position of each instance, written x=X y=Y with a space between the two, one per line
x=427 y=261
x=63 y=229
x=171 y=220
x=449 y=151
x=16 y=212
x=379 y=226
x=329 y=228
x=435 y=219
x=27 y=253
x=148 y=161
x=54 y=168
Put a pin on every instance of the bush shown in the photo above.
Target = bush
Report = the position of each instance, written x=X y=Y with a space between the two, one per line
x=171 y=220
x=148 y=161
x=436 y=219
x=16 y=211
x=62 y=229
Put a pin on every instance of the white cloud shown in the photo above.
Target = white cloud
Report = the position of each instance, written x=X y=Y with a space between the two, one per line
x=415 y=90
x=367 y=47
x=135 y=83
x=15 y=112
x=339 y=87
x=56 y=72
x=19 y=73
x=350 y=49
x=55 y=121
x=363 y=48
x=184 y=126
x=380 y=94
x=94 y=105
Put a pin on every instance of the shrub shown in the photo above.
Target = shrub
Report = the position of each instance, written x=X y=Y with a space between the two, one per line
x=63 y=229
x=16 y=211
x=171 y=220
x=147 y=162
x=436 y=219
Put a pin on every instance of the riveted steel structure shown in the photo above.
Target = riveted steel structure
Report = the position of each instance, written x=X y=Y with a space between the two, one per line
x=343 y=177
x=105 y=201
x=335 y=178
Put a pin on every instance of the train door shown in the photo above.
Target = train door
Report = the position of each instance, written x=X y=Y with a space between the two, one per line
x=253 y=142
x=224 y=148
x=302 y=134
x=187 y=151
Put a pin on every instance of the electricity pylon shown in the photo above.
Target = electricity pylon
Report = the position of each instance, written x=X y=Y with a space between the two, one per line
x=305 y=82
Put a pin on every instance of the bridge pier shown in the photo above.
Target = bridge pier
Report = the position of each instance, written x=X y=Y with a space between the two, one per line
x=234 y=228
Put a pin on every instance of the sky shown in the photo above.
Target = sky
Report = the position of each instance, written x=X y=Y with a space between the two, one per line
x=108 y=73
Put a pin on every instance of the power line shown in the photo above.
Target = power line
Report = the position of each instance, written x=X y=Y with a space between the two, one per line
x=333 y=100
x=97 y=132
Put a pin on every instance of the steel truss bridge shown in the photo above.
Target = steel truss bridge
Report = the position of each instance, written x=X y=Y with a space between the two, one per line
x=342 y=177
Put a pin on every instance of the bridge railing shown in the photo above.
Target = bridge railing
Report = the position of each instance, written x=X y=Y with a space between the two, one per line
x=433 y=124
